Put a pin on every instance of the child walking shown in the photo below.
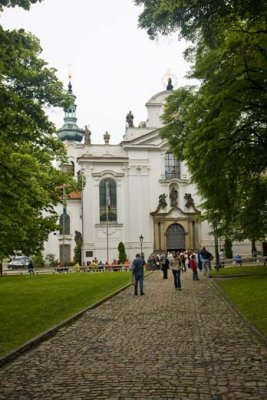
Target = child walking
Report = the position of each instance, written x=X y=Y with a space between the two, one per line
x=193 y=267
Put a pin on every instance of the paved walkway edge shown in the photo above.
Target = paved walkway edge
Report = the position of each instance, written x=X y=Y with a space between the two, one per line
x=260 y=335
x=51 y=332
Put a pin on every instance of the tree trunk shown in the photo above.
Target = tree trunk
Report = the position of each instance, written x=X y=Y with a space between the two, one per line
x=253 y=249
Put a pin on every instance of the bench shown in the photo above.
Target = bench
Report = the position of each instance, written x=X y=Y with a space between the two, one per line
x=62 y=269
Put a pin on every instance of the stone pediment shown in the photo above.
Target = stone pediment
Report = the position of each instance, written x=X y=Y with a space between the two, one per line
x=149 y=139
x=174 y=212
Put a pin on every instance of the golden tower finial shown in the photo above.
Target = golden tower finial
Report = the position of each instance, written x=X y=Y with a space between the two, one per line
x=69 y=71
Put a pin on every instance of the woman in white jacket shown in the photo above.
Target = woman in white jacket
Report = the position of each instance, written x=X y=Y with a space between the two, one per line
x=176 y=271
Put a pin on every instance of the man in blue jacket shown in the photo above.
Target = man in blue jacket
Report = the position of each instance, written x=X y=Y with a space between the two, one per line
x=138 y=274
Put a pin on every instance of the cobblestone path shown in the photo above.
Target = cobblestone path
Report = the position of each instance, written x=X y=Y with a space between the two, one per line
x=168 y=344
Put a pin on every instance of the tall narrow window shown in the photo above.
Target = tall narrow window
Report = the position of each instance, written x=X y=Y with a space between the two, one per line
x=72 y=169
x=64 y=221
x=172 y=167
x=108 y=200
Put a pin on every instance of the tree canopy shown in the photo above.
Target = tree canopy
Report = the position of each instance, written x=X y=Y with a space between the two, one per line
x=30 y=186
x=194 y=18
x=26 y=4
x=219 y=127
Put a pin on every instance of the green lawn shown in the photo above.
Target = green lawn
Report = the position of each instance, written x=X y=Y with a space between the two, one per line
x=246 y=269
x=32 y=304
x=248 y=292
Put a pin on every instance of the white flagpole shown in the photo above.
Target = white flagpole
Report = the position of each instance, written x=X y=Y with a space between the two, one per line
x=64 y=224
x=107 y=211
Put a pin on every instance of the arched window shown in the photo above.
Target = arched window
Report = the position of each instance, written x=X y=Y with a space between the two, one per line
x=64 y=221
x=108 y=200
x=172 y=167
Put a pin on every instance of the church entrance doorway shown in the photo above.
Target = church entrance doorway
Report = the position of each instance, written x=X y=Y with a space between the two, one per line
x=175 y=237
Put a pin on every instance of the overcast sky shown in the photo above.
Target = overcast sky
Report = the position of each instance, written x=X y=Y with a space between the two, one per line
x=115 y=67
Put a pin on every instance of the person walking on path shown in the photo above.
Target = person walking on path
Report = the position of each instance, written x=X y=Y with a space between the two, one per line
x=205 y=257
x=30 y=268
x=176 y=271
x=193 y=267
x=165 y=266
x=138 y=274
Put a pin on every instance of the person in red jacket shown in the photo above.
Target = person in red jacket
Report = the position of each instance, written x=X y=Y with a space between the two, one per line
x=193 y=267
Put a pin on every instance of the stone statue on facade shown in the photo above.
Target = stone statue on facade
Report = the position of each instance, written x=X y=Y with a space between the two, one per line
x=169 y=85
x=87 y=135
x=174 y=197
x=106 y=138
x=189 y=200
x=162 y=200
x=129 y=119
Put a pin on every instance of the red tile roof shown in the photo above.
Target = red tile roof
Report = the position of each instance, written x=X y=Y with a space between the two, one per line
x=74 y=196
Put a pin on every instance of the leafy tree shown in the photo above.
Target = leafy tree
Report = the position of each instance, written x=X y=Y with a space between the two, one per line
x=26 y=4
x=196 y=18
x=122 y=254
x=219 y=127
x=30 y=186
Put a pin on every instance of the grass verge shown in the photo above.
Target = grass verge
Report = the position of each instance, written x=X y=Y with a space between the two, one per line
x=248 y=292
x=30 y=305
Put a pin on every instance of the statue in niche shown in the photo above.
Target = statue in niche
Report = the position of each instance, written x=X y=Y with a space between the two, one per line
x=162 y=200
x=78 y=237
x=129 y=119
x=169 y=86
x=174 y=197
x=87 y=135
x=189 y=200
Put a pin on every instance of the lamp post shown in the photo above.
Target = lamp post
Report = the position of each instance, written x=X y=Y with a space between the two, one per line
x=141 y=239
x=64 y=224
x=216 y=242
x=82 y=212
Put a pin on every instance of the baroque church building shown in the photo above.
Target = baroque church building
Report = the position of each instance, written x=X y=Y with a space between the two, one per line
x=134 y=192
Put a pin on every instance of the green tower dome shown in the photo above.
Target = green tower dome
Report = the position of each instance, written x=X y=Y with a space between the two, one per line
x=70 y=130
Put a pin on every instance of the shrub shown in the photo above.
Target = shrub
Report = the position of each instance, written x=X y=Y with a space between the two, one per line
x=122 y=254
x=51 y=260
x=228 y=248
x=38 y=261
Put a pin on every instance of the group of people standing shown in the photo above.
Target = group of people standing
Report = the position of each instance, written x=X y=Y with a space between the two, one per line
x=176 y=261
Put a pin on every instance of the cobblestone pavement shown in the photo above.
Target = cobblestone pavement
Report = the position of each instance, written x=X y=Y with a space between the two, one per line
x=168 y=344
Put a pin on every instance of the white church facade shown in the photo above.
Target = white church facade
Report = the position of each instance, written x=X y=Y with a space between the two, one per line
x=152 y=205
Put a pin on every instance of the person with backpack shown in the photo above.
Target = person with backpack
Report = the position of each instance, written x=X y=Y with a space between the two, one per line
x=138 y=274
x=205 y=257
